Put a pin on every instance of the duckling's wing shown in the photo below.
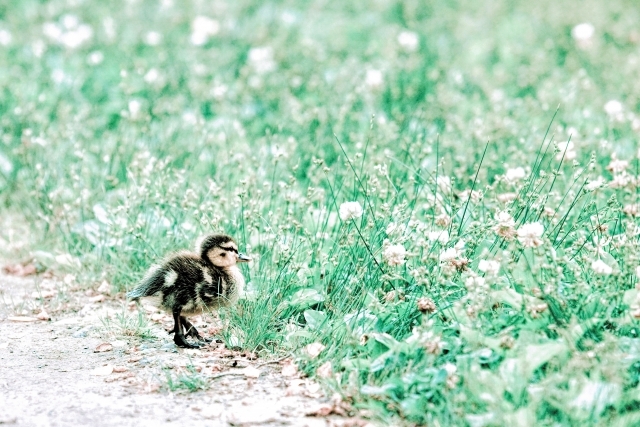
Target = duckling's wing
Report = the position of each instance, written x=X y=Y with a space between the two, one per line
x=150 y=284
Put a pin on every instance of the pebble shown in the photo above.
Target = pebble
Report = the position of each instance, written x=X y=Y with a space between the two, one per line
x=82 y=333
x=169 y=347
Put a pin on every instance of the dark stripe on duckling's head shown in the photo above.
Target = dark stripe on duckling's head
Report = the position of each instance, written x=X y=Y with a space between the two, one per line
x=214 y=241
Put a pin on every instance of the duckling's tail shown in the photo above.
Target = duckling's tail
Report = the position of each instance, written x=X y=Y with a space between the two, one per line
x=150 y=284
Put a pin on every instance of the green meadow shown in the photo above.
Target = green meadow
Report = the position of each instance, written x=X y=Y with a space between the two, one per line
x=440 y=197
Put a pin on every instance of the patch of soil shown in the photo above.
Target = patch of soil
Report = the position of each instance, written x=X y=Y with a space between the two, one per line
x=71 y=371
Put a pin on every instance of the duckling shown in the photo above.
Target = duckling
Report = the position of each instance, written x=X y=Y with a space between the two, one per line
x=188 y=283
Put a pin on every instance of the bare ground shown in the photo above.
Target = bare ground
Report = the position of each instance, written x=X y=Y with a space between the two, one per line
x=51 y=374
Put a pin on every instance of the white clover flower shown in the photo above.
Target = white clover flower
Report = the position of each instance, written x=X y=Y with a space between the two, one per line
x=515 y=174
x=506 y=197
x=489 y=266
x=202 y=28
x=374 y=79
x=95 y=58
x=595 y=184
x=617 y=166
x=566 y=151
x=474 y=283
x=441 y=236
x=449 y=254
x=134 y=107
x=261 y=59
x=153 y=38
x=582 y=33
x=444 y=183
x=152 y=75
x=350 y=210
x=394 y=255
x=600 y=267
x=529 y=235
x=5 y=38
x=614 y=109
x=506 y=225
x=408 y=40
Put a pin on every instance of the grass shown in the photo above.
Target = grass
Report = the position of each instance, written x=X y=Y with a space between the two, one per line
x=128 y=325
x=489 y=277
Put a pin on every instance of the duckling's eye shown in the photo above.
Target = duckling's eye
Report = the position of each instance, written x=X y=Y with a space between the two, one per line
x=223 y=254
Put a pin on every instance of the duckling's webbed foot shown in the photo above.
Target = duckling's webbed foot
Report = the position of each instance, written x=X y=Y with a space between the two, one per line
x=191 y=330
x=178 y=336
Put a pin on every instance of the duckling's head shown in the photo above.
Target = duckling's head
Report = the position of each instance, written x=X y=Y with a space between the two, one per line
x=221 y=250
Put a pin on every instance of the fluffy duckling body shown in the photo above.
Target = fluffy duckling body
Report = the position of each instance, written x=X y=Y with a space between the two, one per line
x=189 y=283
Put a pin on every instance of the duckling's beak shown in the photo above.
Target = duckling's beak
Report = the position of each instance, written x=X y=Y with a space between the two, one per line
x=243 y=258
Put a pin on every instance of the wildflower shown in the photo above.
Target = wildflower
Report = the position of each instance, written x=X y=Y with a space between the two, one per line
x=620 y=180
x=515 y=174
x=506 y=225
x=444 y=183
x=529 y=235
x=614 y=109
x=566 y=151
x=426 y=305
x=474 y=195
x=488 y=266
x=408 y=40
x=443 y=220
x=452 y=259
x=475 y=283
x=535 y=309
x=583 y=35
x=452 y=378
x=434 y=345
x=95 y=58
x=638 y=271
x=506 y=197
x=617 y=166
x=394 y=255
x=262 y=59
x=350 y=210
x=153 y=38
x=202 y=28
x=600 y=267
x=374 y=79
x=5 y=37
x=441 y=236
x=595 y=184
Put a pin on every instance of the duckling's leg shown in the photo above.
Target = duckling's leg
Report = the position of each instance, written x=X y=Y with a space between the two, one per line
x=192 y=331
x=178 y=336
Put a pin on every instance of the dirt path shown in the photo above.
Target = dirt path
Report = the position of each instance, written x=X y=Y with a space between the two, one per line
x=50 y=374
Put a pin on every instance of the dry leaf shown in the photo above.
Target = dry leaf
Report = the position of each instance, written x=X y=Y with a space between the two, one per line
x=325 y=371
x=22 y=319
x=289 y=369
x=104 y=288
x=102 y=370
x=251 y=372
x=120 y=369
x=101 y=348
x=43 y=315
x=20 y=270
x=43 y=294
x=321 y=411
x=97 y=298
x=314 y=349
